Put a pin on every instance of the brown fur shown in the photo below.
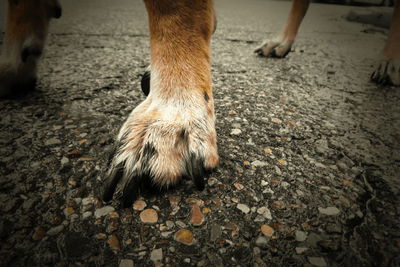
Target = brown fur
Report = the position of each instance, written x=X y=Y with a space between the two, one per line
x=180 y=34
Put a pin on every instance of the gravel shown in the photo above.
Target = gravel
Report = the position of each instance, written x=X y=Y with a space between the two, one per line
x=316 y=159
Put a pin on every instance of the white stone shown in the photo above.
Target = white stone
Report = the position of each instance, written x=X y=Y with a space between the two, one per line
x=64 y=160
x=126 y=263
x=244 y=208
x=236 y=132
x=103 y=211
x=258 y=163
x=86 y=215
x=317 y=261
x=330 y=211
x=301 y=236
x=55 y=230
x=301 y=250
x=156 y=255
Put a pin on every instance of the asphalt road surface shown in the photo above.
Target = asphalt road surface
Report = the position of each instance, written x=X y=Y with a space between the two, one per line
x=310 y=149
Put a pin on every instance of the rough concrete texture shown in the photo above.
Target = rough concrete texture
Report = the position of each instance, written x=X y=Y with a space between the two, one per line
x=309 y=148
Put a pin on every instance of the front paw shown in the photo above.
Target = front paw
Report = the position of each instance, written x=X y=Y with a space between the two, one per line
x=276 y=49
x=387 y=72
x=161 y=142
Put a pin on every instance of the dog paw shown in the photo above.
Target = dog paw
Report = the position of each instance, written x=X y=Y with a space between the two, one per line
x=387 y=72
x=161 y=142
x=276 y=49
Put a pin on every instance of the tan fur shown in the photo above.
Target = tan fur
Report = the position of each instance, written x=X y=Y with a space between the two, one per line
x=180 y=43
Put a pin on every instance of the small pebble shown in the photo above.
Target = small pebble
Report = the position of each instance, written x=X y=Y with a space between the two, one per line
x=139 y=205
x=301 y=250
x=301 y=236
x=53 y=141
x=261 y=241
x=113 y=242
x=330 y=211
x=100 y=236
x=317 y=261
x=276 y=120
x=268 y=151
x=149 y=216
x=156 y=255
x=55 y=230
x=103 y=211
x=267 y=230
x=86 y=215
x=170 y=224
x=184 y=236
x=87 y=201
x=64 y=160
x=197 y=217
x=244 y=208
x=236 y=132
x=126 y=263
x=181 y=224
x=215 y=232
x=282 y=162
x=68 y=211
x=166 y=234
x=238 y=186
x=38 y=234
x=258 y=163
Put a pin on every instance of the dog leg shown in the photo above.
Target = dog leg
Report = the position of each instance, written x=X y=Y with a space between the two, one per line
x=281 y=46
x=172 y=133
x=26 y=31
x=388 y=69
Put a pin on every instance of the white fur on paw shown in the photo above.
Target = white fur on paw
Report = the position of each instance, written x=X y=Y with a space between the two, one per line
x=162 y=141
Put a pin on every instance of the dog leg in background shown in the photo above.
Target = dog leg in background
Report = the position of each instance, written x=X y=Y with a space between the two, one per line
x=25 y=35
x=171 y=134
x=388 y=70
x=281 y=45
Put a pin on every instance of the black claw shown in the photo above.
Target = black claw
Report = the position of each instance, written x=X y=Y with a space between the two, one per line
x=372 y=78
x=259 y=52
x=275 y=55
x=145 y=83
x=196 y=170
x=111 y=182
x=199 y=182
x=30 y=51
x=131 y=188
x=57 y=12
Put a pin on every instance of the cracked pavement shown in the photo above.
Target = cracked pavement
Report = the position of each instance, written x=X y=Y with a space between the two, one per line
x=310 y=149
